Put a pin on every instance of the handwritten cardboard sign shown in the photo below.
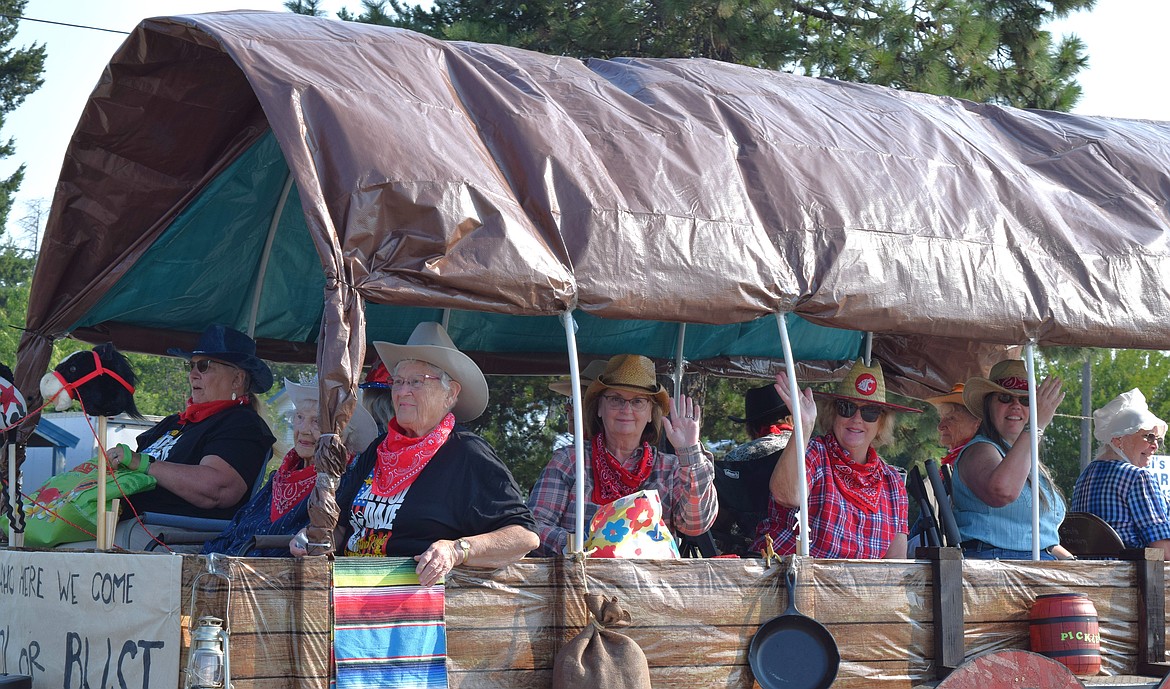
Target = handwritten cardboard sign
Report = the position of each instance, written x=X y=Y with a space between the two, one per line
x=74 y=620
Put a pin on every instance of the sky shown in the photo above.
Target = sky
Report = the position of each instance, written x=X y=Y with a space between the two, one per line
x=1123 y=39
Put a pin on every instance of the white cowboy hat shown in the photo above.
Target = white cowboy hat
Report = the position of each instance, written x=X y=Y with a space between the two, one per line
x=430 y=343
x=360 y=431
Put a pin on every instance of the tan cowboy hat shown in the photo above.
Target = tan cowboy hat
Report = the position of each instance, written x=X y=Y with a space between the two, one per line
x=631 y=373
x=865 y=385
x=955 y=396
x=1009 y=375
x=360 y=431
x=430 y=343
x=564 y=386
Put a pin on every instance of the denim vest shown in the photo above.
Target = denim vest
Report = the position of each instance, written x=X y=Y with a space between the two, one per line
x=1009 y=526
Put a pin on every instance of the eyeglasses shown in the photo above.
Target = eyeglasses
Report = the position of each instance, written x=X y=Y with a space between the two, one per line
x=616 y=403
x=203 y=364
x=1008 y=398
x=412 y=383
x=869 y=413
x=1152 y=439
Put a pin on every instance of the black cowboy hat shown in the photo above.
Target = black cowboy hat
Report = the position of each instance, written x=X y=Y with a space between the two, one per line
x=761 y=403
x=233 y=347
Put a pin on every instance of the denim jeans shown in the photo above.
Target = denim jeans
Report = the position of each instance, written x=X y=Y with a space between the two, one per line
x=977 y=550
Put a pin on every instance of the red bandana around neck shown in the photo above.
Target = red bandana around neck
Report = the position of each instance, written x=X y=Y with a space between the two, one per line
x=954 y=453
x=611 y=480
x=401 y=458
x=863 y=485
x=779 y=428
x=194 y=413
x=291 y=484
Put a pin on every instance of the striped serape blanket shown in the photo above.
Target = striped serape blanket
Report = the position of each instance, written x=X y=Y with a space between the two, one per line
x=389 y=630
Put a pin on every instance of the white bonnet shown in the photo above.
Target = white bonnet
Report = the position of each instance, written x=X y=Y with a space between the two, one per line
x=1127 y=413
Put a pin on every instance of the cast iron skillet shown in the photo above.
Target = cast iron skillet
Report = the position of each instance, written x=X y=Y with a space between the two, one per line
x=793 y=651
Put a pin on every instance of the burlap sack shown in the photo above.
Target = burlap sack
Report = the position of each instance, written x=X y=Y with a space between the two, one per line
x=599 y=657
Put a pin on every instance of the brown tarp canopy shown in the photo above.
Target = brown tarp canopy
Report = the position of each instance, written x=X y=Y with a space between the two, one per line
x=491 y=179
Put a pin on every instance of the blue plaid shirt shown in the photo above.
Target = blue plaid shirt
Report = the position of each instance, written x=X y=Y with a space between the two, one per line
x=1126 y=496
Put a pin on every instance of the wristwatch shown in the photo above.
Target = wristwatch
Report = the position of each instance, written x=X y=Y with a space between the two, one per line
x=464 y=546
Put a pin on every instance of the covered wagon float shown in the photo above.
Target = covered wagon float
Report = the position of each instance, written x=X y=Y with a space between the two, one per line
x=321 y=185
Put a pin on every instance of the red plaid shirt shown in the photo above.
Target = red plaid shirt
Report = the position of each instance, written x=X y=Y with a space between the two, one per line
x=838 y=528
x=686 y=486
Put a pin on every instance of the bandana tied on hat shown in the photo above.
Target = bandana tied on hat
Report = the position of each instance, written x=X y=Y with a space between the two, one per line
x=1009 y=375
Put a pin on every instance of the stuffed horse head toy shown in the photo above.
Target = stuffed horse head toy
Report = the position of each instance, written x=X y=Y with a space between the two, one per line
x=12 y=406
x=101 y=380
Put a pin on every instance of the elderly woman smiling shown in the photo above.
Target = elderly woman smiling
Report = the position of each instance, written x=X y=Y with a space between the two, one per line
x=992 y=507
x=624 y=415
x=430 y=488
x=281 y=506
x=857 y=503
x=1116 y=485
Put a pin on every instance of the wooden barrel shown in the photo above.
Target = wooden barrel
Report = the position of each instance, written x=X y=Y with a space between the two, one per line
x=1064 y=627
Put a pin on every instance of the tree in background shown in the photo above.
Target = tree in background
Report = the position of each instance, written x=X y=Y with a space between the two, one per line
x=983 y=50
x=20 y=75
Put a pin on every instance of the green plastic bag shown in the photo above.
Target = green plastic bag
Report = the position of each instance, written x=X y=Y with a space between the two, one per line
x=64 y=510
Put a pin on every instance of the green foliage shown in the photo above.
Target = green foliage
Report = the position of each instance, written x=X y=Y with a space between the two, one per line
x=20 y=75
x=311 y=8
x=522 y=422
x=984 y=50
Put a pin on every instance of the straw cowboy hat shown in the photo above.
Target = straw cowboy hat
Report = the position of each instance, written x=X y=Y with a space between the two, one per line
x=360 y=431
x=430 y=343
x=564 y=386
x=631 y=373
x=865 y=385
x=233 y=347
x=761 y=403
x=1009 y=375
x=955 y=396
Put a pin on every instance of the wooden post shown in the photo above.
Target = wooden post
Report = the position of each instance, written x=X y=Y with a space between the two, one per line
x=15 y=540
x=946 y=577
x=1151 y=584
x=103 y=537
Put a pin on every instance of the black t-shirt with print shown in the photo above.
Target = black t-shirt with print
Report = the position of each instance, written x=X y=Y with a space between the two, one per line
x=464 y=490
x=238 y=434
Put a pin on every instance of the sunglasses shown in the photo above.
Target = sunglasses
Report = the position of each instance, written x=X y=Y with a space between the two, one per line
x=869 y=413
x=202 y=365
x=1152 y=439
x=1006 y=398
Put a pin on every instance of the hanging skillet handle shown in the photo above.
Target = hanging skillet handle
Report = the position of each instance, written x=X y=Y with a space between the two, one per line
x=790 y=582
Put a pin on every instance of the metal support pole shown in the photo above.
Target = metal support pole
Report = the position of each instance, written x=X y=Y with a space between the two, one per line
x=1030 y=363
x=797 y=430
x=1086 y=412
x=578 y=432
x=680 y=361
